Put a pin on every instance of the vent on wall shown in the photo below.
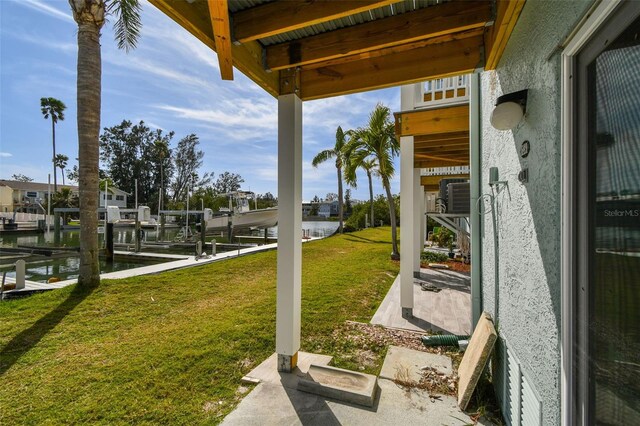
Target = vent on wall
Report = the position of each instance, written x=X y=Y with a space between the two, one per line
x=518 y=399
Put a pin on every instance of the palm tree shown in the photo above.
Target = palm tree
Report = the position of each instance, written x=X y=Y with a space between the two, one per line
x=65 y=198
x=54 y=108
x=90 y=17
x=339 y=152
x=60 y=161
x=378 y=140
x=360 y=158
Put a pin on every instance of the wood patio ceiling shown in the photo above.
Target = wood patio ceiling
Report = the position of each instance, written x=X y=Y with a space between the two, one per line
x=440 y=135
x=448 y=38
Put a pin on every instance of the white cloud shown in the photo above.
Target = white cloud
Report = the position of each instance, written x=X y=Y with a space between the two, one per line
x=5 y=154
x=238 y=119
x=47 y=9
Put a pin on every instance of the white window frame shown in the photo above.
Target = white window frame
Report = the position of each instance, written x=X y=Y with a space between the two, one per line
x=593 y=21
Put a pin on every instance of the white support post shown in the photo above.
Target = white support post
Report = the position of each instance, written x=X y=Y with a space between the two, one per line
x=289 y=231
x=475 y=170
x=407 y=211
x=418 y=202
x=20 y=274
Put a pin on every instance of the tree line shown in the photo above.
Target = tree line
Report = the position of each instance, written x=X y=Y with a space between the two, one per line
x=165 y=175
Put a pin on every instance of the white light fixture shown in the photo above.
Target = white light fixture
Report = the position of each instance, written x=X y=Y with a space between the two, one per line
x=509 y=110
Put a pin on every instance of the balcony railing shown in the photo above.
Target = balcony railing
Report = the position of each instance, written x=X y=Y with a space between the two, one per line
x=444 y=171
x=443 y=92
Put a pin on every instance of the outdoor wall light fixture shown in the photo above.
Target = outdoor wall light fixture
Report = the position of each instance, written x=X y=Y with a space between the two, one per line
x=509 y=110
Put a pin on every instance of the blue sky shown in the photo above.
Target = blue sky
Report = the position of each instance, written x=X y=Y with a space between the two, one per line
x=172 y=82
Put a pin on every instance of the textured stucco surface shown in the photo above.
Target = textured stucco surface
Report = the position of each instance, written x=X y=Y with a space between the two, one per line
x=525 y=262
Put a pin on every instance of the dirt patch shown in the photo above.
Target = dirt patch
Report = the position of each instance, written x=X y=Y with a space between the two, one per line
x=376 y=335
x=454 y=265
x=245 y=364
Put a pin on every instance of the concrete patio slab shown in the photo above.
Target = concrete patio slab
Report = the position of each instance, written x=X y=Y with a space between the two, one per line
x=447 y=311
x=408 y=362
x=267 y=371
x=275 y=402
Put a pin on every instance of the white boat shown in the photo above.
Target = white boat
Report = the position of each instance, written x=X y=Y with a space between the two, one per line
x=144 y=217
x=239 y=214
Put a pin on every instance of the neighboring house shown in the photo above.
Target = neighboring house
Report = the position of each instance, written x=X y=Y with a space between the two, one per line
x=328 y=208
x=28 y=197
x=6 y=198
x=555 y=233
x=114 y=197
x=307 y=208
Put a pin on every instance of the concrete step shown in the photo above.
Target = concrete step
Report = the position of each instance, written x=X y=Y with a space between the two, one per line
x=339 y=384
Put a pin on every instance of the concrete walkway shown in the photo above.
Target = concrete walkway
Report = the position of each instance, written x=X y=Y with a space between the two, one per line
x=276 y=400
x=447 y=311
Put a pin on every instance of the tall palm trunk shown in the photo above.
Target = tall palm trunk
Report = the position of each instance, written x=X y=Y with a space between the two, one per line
x=89 y=91
x=53 y=160
x=62 y=173
x=373 y=224
x=392 y=216
x=340 y=198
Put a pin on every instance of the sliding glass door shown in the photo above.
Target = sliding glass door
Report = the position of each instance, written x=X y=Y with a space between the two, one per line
x=607 y=287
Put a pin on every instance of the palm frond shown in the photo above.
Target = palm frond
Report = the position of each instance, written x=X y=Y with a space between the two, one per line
x=128 y=23
x=322 y=156
x=341 y=140
x=52 y=107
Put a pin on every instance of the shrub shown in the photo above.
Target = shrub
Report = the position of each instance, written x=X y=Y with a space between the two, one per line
x=444 y=238
x=380 y=210
x=432 y=257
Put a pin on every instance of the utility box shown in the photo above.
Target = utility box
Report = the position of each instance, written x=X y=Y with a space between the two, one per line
x=459 y=198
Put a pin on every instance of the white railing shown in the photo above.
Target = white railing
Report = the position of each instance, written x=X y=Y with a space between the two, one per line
x=443 y=91
x=443 y=171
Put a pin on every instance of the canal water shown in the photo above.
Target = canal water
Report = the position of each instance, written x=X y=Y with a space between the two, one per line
x=67 y=267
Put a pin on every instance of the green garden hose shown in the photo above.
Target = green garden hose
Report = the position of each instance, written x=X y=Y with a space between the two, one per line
x=443 y=340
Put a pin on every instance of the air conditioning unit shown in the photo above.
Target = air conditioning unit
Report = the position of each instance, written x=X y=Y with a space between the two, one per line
x=444 y=188
x=459 y=201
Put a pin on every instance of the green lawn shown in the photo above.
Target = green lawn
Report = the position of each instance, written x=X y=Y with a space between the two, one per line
x=171 y=348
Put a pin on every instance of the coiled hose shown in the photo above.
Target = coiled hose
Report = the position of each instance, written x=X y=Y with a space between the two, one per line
x=443 y=340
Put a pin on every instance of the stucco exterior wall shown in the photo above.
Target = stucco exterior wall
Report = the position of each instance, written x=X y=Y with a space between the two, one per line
x=521 y=237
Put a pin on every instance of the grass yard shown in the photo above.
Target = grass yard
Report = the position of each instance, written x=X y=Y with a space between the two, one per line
x=171 y=348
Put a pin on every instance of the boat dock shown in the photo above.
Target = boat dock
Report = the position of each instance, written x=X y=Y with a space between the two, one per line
x=175 y=262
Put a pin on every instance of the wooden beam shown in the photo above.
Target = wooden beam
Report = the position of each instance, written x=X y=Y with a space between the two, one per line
x=477 y=32
x=283 y=16
x=442 y=120
x=497 y=36
x=430 y=22
x=440 y=60
x=435 y=180
x=449 y=151
x=247 y=57
x=219 y=13
x=442 y=138
x=453 y=144
x=453 y=161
